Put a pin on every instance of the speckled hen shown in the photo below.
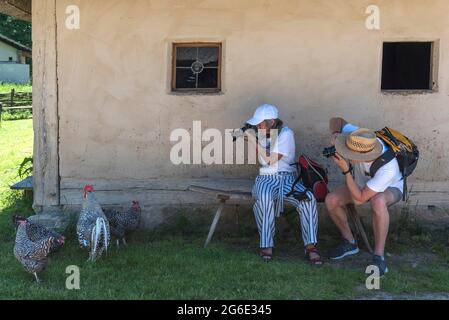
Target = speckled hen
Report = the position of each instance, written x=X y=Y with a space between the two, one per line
x=122 y=223
x=34 y=243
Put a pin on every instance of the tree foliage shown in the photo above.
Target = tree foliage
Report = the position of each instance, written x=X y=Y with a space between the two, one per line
x=15 y=29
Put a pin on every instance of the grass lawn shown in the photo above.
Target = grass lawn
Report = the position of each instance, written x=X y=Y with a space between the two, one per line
x=7 y=87
x=171 y=264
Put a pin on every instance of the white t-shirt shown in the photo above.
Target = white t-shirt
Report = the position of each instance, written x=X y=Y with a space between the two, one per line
x=284 y=145
x=387 y=176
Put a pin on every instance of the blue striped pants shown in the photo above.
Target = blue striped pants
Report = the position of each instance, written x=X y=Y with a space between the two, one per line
x=269 y=203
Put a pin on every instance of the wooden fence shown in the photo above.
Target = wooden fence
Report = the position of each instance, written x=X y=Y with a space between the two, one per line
x=15 y=101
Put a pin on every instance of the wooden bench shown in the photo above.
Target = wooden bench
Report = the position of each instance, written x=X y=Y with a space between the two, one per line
x=223 y=196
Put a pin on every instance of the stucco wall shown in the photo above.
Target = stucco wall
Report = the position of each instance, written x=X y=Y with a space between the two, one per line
x=313 y=59
x=7 y=51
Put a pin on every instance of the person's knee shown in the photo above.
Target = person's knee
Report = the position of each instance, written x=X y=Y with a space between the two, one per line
x=332 y=201
x=379 y=204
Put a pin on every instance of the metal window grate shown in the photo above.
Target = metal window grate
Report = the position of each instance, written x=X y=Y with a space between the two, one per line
x=197 y=67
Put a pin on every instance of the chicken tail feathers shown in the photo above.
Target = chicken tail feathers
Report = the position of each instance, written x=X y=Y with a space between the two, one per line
x=99 y=238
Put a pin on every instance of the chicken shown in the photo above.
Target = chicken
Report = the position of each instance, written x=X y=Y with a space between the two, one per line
x=123 y=222
x=33 y=244
x=92 y=228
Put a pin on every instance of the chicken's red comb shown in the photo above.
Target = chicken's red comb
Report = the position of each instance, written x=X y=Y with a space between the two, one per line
x=88 y=188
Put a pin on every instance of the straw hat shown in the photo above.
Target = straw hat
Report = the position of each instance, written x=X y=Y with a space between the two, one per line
x=360 y=145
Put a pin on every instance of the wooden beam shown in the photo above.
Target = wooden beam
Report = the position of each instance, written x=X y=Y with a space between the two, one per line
x=45 y=105
x=19 y=9
x=421 y=193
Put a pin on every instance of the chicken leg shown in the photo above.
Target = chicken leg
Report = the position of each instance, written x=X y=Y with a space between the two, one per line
x=37 y=278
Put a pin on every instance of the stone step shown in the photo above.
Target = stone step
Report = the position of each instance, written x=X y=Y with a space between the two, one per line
x=55 y=222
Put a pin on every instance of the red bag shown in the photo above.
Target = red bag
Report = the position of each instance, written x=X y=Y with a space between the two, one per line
x=313 y=176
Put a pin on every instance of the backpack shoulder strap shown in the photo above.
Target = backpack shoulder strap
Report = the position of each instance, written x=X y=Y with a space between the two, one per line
x=381 y=161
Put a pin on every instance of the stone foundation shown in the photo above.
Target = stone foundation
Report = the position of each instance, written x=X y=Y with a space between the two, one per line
x=159 y=215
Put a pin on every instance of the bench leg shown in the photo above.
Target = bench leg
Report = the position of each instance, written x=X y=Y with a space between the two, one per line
x=360 y=230
x=215 y=222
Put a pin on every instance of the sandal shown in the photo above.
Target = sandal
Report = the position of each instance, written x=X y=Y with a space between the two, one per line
x=316 y=261
x=267 y=257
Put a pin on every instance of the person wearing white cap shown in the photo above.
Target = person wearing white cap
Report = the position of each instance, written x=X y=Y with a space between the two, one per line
x=276 y=153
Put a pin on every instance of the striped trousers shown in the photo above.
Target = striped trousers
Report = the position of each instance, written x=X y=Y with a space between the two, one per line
x=269 y=192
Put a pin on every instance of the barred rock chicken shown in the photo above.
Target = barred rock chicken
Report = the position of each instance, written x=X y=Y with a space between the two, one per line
x=33 y=244
x=123 y=222
x=92 y=228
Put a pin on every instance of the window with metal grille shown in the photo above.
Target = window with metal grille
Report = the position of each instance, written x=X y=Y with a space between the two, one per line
x=196 y=67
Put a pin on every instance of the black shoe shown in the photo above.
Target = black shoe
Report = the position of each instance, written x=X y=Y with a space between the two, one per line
x=345 y=249
x=379 y=262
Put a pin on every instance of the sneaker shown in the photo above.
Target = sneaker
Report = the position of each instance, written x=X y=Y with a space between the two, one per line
x=345 y=249
x=379 y=262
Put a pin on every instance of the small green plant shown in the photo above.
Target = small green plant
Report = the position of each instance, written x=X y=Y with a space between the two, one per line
x=11 y=115
x=26 y=168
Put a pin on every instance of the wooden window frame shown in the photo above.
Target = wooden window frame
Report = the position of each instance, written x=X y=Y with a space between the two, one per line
x=201 y=45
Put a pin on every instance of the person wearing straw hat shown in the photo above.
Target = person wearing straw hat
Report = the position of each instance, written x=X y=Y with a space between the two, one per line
x=357 y=149
x=275 y=148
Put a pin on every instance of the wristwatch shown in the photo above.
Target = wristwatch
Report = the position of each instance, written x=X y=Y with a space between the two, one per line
x=346 y=172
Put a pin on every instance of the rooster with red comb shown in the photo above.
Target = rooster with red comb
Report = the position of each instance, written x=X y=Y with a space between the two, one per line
x=92 y=229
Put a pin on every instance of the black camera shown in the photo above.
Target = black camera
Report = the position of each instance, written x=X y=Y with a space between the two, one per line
x=240 y=132
x=329 y=152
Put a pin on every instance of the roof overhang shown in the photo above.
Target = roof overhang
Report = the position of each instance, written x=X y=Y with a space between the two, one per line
x=19 y=9
x=14 y=44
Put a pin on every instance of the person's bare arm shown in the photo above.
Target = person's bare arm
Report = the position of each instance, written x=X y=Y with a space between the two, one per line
x=271 y=159
x=336 y=125
x=359 y=195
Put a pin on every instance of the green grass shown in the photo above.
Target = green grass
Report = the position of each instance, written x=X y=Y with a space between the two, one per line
x=7 y=87
x=11 y=115
x=16 y=143
x=170 y=263
x=177 y=269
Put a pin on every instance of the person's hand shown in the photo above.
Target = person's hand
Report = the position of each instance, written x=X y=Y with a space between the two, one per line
x=251 y=138
x=341 y=162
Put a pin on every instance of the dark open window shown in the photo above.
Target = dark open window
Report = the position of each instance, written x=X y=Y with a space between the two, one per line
x=196 y=67
x=407 y=66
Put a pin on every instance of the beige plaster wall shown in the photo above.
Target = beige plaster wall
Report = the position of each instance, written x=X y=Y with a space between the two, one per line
x=313 y=59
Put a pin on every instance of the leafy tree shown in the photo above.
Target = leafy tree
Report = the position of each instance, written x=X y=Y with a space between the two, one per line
x=15 y=29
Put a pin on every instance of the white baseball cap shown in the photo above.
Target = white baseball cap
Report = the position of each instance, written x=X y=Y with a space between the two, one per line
x=264 y=112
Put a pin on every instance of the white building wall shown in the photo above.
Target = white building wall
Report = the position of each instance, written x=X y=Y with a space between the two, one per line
x=7 y=51
x=14 y=73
